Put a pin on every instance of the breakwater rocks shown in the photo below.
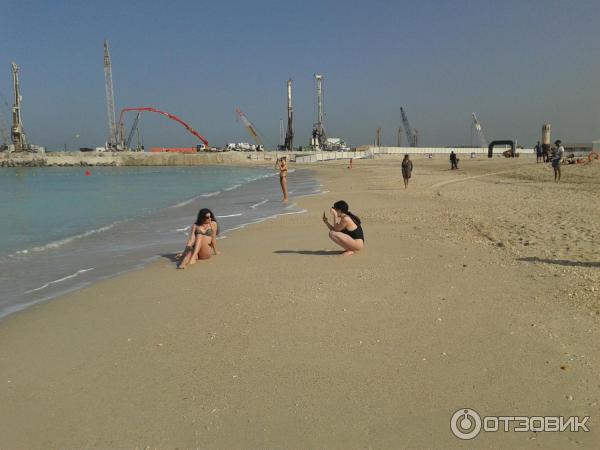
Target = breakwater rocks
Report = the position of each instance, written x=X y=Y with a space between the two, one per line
x=103 y=159
x=41 y=162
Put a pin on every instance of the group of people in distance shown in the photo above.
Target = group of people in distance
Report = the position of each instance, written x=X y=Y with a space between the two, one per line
x=345 y=228
x=542 y=155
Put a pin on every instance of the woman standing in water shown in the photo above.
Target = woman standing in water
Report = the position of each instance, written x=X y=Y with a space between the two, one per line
x=202 y=241
x=281 y=165
x=407 y=167
x=346 y=230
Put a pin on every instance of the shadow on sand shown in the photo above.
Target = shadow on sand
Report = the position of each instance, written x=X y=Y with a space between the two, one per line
x=561 y=262
x=311 y=252
x=173 y=257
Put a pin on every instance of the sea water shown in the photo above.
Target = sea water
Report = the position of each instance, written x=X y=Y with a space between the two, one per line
x=62 y=229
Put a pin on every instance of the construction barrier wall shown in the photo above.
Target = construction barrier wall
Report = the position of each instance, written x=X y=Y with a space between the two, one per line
x=372 y=152
x=443 y=150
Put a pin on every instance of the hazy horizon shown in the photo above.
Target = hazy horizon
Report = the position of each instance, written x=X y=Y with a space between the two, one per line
x=517 y=65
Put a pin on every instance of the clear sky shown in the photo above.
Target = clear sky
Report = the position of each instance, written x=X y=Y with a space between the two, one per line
x=517 y=64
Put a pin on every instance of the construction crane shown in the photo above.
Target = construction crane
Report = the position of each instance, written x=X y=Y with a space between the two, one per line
x=17 y=133
x=110 y=100
x=318 y=134
x=411 y=136
x=281 y=135
x=166 y=114
x=289 y=135
x=133 y=129
x=483 y=143
x=250 y=127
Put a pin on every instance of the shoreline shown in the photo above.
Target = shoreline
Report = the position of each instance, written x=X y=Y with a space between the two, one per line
x=279 y=342
x=171 y=218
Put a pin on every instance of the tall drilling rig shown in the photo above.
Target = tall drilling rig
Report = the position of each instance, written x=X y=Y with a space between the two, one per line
x=16 y=132
x=110 y=101
x=318 y=133
x=483 y=143
x=289 y=135
x=411 y=136
x=252 y=130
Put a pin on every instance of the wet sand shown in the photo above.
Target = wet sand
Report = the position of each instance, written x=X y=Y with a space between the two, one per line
x=477 y=288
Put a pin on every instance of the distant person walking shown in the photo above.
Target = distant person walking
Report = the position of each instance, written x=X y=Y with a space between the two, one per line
x=407 y=167
x=539 y=153
x=453 y=161
x=546 y=152
x=556 y=159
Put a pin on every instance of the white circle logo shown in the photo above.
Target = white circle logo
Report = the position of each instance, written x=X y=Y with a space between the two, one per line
x=465 y=423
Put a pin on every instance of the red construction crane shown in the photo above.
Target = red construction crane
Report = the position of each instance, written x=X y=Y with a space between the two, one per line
x=170 y=116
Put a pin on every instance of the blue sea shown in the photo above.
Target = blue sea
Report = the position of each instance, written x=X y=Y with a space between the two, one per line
x=61 y=229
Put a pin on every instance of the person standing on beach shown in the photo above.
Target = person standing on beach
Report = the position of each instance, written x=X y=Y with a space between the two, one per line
x=281 y=165
x=539 y=153
x=346 y=230
x=453 y=161
x=407 y=167
x=558 y=154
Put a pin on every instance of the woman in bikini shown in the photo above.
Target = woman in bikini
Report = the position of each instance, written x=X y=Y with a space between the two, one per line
x=202 y=241
x=346 y=230
x=281 y=165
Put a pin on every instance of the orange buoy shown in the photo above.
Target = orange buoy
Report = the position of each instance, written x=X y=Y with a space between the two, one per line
x=87 y=172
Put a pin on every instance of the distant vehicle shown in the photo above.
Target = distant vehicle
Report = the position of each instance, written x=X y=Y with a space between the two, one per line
x=86 y=149
x=101 y=149
x=244 y=146
x=37 y=148
x=200 y=147
x=336 y=144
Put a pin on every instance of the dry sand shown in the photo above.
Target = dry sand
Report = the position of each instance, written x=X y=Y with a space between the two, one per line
x=477 y=288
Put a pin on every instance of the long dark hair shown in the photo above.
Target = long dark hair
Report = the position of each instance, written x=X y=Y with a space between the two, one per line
x=202 y=217
x=343 y=207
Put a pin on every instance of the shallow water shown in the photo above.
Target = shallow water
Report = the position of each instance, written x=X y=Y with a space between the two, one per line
x=61 y=230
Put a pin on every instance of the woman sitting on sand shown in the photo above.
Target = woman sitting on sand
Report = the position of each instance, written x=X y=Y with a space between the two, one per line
x=346 y=230
x=203 y=238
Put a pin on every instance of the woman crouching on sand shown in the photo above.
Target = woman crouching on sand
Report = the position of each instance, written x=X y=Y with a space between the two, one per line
x=346 y=230
x=203 y=238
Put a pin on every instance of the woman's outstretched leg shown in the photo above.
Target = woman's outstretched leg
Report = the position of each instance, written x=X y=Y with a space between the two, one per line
x=186 y=257
x=192 y=255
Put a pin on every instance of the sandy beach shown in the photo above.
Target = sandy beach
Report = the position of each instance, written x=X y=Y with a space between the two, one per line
x=477 y=288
